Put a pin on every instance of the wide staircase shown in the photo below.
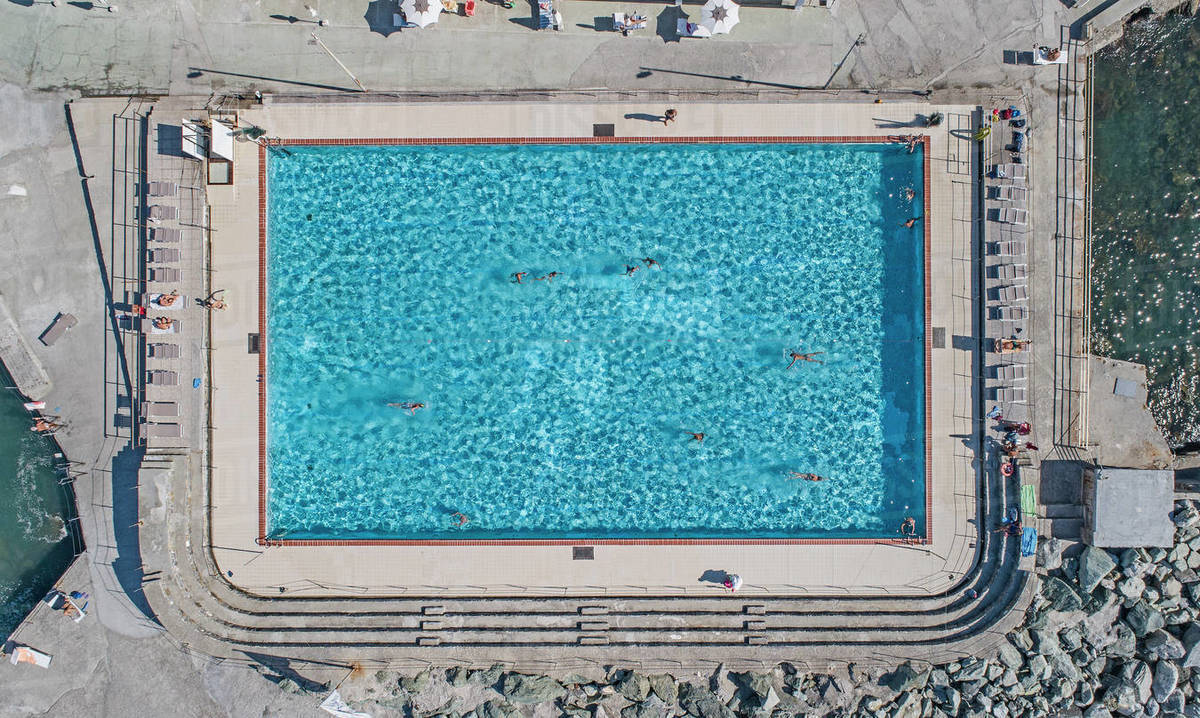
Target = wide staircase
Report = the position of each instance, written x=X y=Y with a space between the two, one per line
x=205 y=614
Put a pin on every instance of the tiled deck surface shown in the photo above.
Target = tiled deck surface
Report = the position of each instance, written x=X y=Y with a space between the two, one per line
x=880 y=568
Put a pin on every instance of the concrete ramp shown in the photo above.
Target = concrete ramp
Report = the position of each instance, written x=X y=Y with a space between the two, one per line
x=26 y=370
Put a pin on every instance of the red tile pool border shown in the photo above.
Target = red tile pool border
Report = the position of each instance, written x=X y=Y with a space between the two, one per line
x=262 y=539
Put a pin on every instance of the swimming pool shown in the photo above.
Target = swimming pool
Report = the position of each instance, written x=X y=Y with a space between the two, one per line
x=564 y=408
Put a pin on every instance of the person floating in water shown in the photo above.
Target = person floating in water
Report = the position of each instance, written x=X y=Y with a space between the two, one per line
x=912 y=222
x=630 y=269
x=518 y=276
x=806 y=477
x=908 y=529
x=797 y=356
x=459 y=518
x=412 y=406
x=909 y=193
x=697 y=436
x=547 y=278
x=650 y=262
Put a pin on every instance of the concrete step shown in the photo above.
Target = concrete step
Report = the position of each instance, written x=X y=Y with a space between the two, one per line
x=1062 y=511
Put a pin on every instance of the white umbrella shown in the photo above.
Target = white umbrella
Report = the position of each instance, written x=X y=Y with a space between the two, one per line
x=719 y=16
x=421 y=12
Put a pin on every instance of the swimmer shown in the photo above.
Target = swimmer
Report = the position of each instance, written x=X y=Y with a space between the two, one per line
x=913 y=141
x=806 y=477
x=696 y=436
x=630 y=269
x=163 y=322
x=909 y=193
x=796 y=356
x=411 y=406
x=518 y=276
x=459 y=518
x=650 y=262
x=911 y=222
x=909 y=527
x=548 y=278
x=166 y=300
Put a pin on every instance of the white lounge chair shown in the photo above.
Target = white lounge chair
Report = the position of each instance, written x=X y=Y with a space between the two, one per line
x=1011 y=193
x=163 y=189
x=165 y=275
x=1010 y=215
x=1009 y=171
x=1012 y=294
x=1011 y=395
x=1010 y=372
x=161 y=350
x=162 y=377
x=25 y=654
x=1011 y=272
x=1011 y=248
x=162 y=256
x=159 y=408
x=179 y=303
x=164 y=431
x=162 y=211
x=164 y=234
x=1009 y=313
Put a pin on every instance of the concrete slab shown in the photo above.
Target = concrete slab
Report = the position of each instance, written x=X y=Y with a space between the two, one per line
x=1120 y=427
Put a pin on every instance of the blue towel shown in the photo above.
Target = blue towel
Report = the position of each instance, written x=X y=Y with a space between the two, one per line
x=1012 y=514
x=1029 y=541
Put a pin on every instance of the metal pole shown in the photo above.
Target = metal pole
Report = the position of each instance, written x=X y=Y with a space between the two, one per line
x=339 y=62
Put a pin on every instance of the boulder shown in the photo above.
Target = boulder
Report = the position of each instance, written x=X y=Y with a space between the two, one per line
x=457 y=676
x=1166 y=677
x=908 y=678
x=1191 y=647
x=1045 y=641
x=521 y=688
x=1131 y=587
x=1039 y=667
x=652 y=708
x=702 y=703
x=1142 y=679
x=908 y=705
x=1009 y=656
x=1094 y=565
x=974 y=670
x=1049 y=553
x=1142 y=618
x=1060 y=596
x=1097 y=711
x=768 y=701
x=1174 y=703
x=1063 y=666
x=948 y=698
x=1186 y=516
x=417 y=683
x=1084 y=695
x=497 y=708
x=1160 y=644
x=757 y=683
x=488 y=677
x=721 y=684
x=664 y=687
x=1124 y=643
x=633 y=686
x=1122 y=697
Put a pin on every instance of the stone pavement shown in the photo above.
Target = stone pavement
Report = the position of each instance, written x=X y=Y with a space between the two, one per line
x=224 y=46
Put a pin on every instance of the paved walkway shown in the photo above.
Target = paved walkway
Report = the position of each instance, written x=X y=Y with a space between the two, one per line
x=202 y=46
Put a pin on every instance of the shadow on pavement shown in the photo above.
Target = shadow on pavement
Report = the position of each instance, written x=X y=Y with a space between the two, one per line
x=128 y=565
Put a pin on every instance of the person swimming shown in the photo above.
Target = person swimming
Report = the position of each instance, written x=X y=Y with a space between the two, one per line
x=912 y=222
x=650 y=262
x=806 y=477
x=697 y=436
x=518 y=276
x=797 y=356
x=630 y=269
x=547 y=278
x=411 y=406
x=909 y=527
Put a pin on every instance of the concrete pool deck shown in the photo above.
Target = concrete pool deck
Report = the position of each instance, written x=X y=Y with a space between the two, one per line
x=884 y=567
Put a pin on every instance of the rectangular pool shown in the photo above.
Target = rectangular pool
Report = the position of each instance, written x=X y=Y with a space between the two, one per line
x=564 y=408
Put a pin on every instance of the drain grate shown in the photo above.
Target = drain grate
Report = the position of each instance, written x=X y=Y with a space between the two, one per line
x=939 y=338
x=252 y=343
x=604 y=130
x=583 y=553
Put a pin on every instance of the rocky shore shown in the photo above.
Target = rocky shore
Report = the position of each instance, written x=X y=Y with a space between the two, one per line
x=1109 y=634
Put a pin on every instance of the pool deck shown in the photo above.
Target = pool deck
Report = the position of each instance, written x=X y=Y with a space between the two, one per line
x=831 y=567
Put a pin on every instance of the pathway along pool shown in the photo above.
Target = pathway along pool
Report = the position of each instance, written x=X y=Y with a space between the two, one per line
x=35 y=544
x=563 y=407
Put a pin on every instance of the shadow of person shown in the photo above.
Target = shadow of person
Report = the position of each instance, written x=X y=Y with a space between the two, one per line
x=644 y=116
x=714 y=576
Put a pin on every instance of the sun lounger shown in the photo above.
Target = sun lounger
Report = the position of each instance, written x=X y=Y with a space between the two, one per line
x=159 y=408
x=162 y=377
x=1010 y=395
x=162 y=189
x=162 y=211
x=1012 y=294
x=1009 y=313
x=162 y=256
x=1010 y=272
x=25 y=654
x=1011 y=193
x=164 y=431
x=1010 y=215
x=1011 y=248
x=165 y=275
x=158 y=350
x=1009 y=171
x=623 y=23
x=164 y=234
x=179 y=303
x=1010 y=372
x=1049 y=56
x=545 y=14
x=59 y=327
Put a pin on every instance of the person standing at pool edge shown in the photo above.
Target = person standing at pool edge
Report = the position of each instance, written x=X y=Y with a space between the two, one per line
x=670 y=115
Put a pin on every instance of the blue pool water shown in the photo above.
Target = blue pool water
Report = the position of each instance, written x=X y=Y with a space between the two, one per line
x=561 y=409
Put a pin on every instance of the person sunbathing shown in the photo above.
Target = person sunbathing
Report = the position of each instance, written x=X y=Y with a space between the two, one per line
x=166 y=300
x=43 y=425
x=163 y=322
x=1011 y=346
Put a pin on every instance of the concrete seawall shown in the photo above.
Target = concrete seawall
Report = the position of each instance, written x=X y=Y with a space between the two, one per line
x=27 y=372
